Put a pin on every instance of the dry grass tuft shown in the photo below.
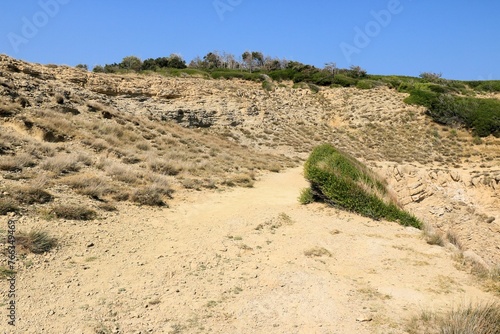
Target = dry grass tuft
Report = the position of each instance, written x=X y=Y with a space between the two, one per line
x=453 y=238
x=8 y=109
x=8 y=205
x=108 y=207
x=73 y=212
x=243 y=180
x=131 y=160
x=432 y=237
x=488 y=276
x=89 y=185
x=477 y=319
x=124 y=173
x=16 y=163
x=152 y=195
x=40 y=150
x=165 y=167
x=36 y=241
x=31 y=195
x=66 y=163
x=95 y=106
x=317 y=252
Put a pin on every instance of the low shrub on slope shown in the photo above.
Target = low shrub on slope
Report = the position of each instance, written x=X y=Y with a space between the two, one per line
x=340 y=180
x=480 y=115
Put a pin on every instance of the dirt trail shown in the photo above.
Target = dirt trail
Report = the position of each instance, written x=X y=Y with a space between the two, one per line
x=246 y=260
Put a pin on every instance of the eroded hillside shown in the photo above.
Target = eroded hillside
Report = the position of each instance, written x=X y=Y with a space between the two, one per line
x=102 y=142
x=122 y=132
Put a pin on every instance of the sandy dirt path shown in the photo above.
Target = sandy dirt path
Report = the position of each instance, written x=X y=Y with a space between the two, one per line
x=245 y=260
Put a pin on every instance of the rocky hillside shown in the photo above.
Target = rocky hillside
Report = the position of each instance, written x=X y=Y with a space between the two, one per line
x=74 y=141
x=193 y=133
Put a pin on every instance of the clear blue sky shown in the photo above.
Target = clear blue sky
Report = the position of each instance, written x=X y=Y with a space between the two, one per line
x=460 y=38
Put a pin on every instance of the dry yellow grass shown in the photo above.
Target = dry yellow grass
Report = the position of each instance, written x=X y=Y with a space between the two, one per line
x=473 y=318
x=65 y=163
x=36 y=241
x=17 y=162
x=90 y=185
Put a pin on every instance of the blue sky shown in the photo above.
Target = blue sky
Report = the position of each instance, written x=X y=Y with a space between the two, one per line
x=459 y=38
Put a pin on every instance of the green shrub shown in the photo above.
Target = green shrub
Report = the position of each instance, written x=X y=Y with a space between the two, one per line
x=458 y=86
x=322 y=78
x=485 y=86
x=366 y=84
x=301 y=85
x=235 y=74
x=421 y=97
x=313 y=88
x=482 y=116
x=438 y=88
x=340 y=180
x=344 y=81
x=306 y=196
x=175 y=72
x=303 y=73
x=284 y=74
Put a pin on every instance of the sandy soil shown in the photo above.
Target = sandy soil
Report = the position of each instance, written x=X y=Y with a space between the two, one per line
x=244 y=260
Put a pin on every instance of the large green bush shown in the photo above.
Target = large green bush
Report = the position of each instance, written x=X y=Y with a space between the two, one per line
x=485 y=86
x=340 y=180
x=480 y=115
x=344 y=80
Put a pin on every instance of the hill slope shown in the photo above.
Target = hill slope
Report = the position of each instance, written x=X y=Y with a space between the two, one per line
x=139 y=144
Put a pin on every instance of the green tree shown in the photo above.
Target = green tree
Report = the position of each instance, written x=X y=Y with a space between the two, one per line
x=111 y=68
x=82 y=66
x=149 y=65
x=196 y=63
x=162 y=62
x=176 y=61
x=258 y=58
x=131 y=63
x=247 y=59
x=98 y=69
x=357 y=72
x=331 y=67
x=271 y=64
x=212 y=60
